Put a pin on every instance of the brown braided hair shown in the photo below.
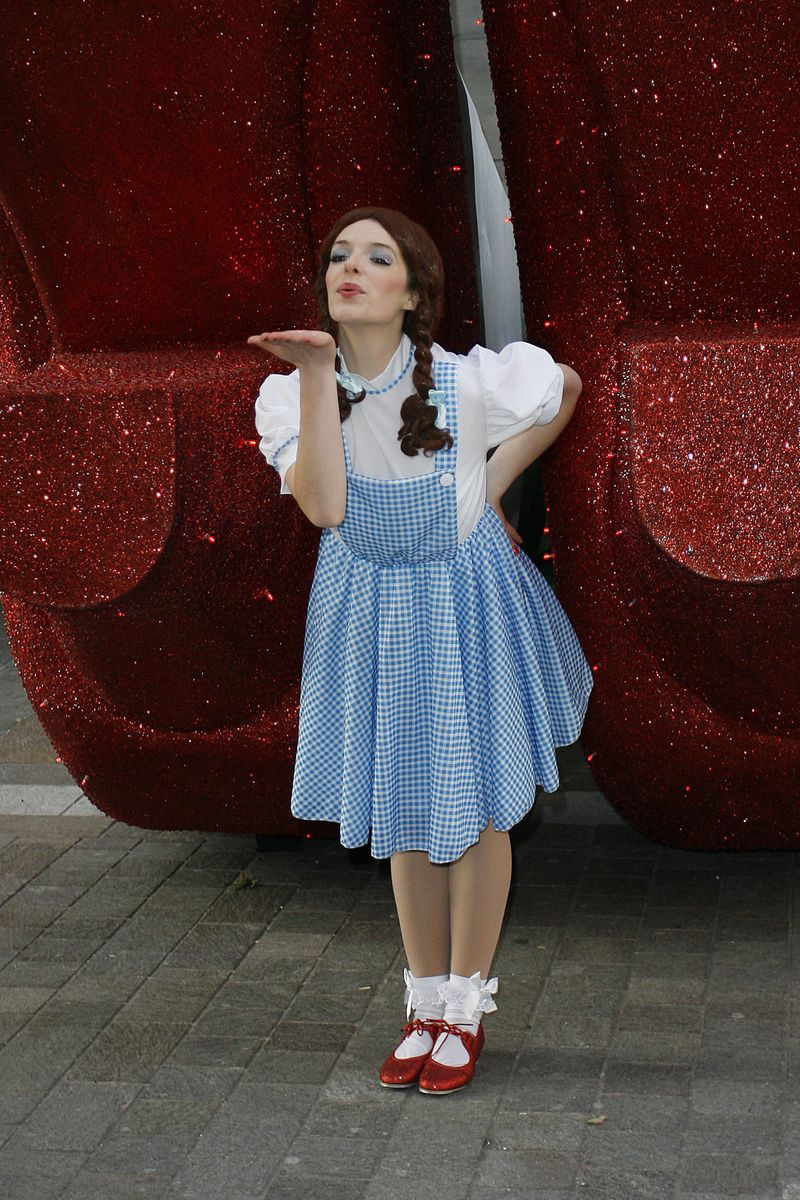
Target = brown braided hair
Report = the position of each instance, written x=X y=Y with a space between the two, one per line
x=423 y=264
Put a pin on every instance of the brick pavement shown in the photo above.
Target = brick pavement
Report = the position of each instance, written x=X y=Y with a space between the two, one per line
x=167 y=1033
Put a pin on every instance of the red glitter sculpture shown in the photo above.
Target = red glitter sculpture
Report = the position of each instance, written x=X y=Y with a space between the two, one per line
x=653 y=165
x=167 y=174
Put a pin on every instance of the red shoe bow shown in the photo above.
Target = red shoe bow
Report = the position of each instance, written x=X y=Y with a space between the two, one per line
x=436 y=1079
x=403 y=1072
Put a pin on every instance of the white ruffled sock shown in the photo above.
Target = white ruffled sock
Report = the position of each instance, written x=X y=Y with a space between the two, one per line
x=467 y=998
x=422 y=994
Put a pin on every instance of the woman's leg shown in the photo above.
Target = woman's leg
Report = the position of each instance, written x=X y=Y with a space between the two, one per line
x=451 y=914
x=479 y=883
x=422 y=896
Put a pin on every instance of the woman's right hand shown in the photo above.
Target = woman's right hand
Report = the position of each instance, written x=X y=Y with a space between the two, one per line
x=302 y=347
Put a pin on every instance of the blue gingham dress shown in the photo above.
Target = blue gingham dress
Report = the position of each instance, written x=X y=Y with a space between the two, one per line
x=437 y=677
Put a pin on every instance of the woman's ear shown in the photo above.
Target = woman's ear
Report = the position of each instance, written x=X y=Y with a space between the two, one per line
x=412 y=301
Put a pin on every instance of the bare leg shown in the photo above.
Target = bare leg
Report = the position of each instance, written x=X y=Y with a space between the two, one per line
x=422 y=897
x=479 y=884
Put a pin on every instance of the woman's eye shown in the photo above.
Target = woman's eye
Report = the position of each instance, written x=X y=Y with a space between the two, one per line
x=339 y=256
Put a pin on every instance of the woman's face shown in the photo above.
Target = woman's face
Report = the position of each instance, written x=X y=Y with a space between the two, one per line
x=367 y=278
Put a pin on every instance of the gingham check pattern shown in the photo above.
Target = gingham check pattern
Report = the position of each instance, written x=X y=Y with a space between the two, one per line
x=437 y=678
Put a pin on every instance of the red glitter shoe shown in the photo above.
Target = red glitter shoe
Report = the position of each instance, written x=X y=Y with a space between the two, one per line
x=436 y=1079
x=404 y=1072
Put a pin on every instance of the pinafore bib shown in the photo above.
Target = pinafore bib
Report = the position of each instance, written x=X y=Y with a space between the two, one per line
x=438 y=677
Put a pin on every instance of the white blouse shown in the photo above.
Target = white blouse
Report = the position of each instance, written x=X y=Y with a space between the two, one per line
x=499 y=395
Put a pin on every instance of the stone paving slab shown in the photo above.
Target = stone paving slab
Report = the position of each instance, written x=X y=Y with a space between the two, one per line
x=48 y=799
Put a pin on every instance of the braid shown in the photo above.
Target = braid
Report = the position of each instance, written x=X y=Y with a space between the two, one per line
x=419 y=430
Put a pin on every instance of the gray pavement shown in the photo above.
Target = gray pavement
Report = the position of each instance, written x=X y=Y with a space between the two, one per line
x=185 y=1017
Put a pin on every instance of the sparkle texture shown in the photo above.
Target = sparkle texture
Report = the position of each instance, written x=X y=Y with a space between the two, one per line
x=167 y=174
x=652 y=154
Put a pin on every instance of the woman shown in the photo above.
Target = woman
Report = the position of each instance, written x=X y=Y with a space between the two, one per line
x=439 y=671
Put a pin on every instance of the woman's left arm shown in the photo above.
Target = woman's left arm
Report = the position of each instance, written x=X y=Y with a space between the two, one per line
x=516 y=453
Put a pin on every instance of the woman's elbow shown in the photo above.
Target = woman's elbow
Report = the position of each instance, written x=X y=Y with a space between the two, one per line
x=322 y=511
x=330 y=520
x=324 y=514
x=573 y=384
x=323 y=518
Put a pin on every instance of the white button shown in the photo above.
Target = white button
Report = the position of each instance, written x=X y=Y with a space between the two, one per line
x=446 y=479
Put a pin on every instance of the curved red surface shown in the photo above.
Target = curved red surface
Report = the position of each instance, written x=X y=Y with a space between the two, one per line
x=167 y=174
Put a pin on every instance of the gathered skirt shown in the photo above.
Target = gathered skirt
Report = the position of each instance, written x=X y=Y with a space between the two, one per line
x=433 y=694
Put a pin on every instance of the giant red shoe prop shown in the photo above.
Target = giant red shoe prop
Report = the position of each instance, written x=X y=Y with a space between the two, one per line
x=653 y=162
x=168 y=172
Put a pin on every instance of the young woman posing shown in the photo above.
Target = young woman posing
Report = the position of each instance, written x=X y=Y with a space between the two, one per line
x=439 y=671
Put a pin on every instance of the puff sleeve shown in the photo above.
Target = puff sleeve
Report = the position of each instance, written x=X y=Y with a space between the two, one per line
x=522 y=385
x=278 y=422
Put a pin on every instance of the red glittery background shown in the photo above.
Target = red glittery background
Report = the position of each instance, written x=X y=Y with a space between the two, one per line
x=167 y=174
x=652 y=154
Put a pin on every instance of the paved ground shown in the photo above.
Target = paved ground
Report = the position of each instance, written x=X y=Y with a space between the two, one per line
x=169 y=1033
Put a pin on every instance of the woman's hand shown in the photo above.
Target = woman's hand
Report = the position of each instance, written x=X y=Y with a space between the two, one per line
x=496 y=485
x=514 y=537
x=301 y=347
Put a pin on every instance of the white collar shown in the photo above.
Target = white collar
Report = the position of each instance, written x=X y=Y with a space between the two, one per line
x=392 y=368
